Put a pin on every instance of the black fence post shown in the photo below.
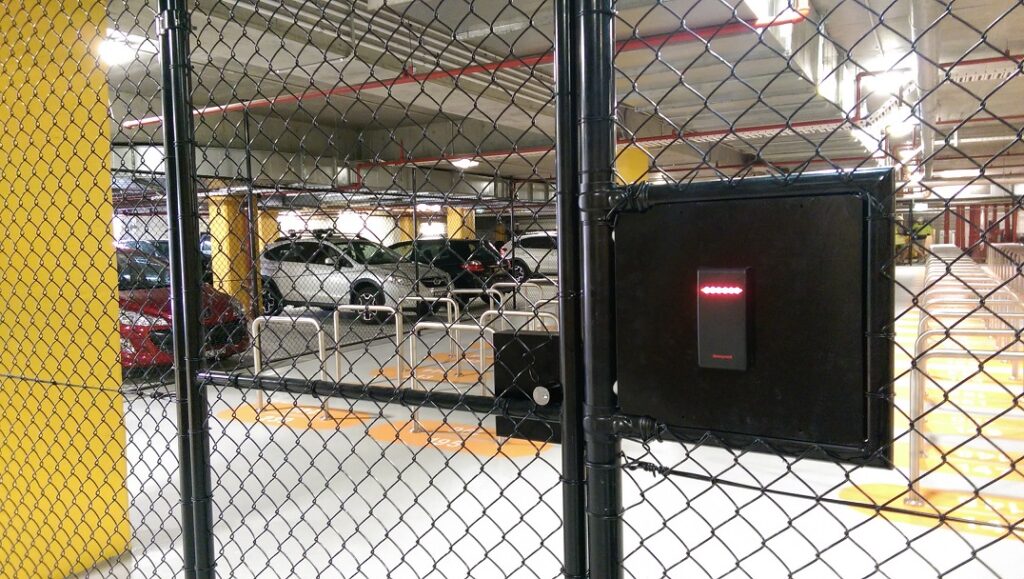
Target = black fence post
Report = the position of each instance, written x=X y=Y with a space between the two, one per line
x=597 y=189
x=567 y=149
x=186 y=288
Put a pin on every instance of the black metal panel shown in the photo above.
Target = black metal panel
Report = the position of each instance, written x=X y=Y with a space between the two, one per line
x=525 y=360
x=820 y=300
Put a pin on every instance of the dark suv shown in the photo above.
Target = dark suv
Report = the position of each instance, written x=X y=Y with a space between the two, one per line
x=471 y=263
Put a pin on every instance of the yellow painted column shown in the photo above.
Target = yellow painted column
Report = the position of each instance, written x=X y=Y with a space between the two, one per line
x=268 y=228
x=63 y=500
x=229 y=245
x=632 y=165
x=460 y=223
x=404 y=227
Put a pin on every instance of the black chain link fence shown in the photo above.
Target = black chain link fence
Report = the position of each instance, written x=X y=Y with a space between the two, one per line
x=351 y=207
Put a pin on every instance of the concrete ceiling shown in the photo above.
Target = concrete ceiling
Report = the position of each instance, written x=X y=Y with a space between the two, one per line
x=366 y=83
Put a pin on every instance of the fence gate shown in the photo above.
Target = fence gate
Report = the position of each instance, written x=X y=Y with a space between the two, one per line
x=313 y=288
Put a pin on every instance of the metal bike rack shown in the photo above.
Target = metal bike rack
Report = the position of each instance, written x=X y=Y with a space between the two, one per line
x=515 y=287
x=962 y=291
x=451 y=309
x=534 y=316
x=447 y=328
x=367 y=309
x=257 y=326
x=917 y=408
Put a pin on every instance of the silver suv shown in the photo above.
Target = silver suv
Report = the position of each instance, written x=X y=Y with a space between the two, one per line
x=333 y=270
x=530 y=254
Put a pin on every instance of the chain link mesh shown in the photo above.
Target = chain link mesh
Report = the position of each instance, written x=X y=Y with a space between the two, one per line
x=375 y=181
x=786 y=89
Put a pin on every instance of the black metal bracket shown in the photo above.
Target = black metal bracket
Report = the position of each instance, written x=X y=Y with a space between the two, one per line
x=621 y=426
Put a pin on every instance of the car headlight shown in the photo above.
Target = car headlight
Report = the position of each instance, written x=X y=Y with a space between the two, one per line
x=141 y=320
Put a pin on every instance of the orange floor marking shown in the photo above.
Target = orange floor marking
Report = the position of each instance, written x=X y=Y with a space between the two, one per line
x=434 y=374
x=298 y=416
x=472 y=357
x=449 y=437
x=992 y=510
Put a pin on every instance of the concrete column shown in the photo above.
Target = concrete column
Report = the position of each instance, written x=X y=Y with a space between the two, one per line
x=404 y=228
x=63 y=499
x=229 y=234
x=268 y=228
x=460 y=223
x=632 y=165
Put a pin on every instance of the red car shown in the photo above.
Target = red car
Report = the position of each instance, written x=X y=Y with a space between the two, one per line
x=145 y=301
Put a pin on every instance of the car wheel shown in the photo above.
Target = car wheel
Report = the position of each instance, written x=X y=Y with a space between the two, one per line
x=368 y=295
x=519 y=271
x=273 y=303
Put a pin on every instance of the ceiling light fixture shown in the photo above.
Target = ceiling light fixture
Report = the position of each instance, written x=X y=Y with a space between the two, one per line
x=118 y=48
x=465 y=163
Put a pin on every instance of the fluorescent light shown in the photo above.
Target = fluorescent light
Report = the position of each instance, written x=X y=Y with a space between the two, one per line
x=425 y=208
x=119 y=48
x=959 y=174
x=920 y=207
x=465 y=163
x=886 y=83
x=902 y=122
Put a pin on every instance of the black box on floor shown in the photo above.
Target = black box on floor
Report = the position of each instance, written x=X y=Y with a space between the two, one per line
x=761 y=312
x=524 y=361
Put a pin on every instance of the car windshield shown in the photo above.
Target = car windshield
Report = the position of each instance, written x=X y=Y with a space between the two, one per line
x=137 y=271
x=368 y=253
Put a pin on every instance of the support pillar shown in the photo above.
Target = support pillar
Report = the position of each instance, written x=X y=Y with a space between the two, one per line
x=632 y=165
x=460 y=223
x=63 y=499
x=405 y=228
x=229 y=236
x=268 y=228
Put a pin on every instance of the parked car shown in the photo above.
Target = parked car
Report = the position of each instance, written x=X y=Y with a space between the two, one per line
x=144 y=296
x=530 y=254
x=161 y=249
x=328 y=271
x=470 y=263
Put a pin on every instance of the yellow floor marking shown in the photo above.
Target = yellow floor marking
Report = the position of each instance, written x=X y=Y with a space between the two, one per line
x=959 y=424
x=967 y=397
x=448 y=437
x=993 y=510
x=463 y=375
x=980 y=465
x=296 y=416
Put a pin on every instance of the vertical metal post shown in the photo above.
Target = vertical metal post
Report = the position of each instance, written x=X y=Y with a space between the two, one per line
x=252 y=214
x=186 y=290
x=574 y=530
x=597 y=191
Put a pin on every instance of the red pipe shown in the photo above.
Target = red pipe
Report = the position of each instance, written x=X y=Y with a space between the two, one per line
x=657 y=42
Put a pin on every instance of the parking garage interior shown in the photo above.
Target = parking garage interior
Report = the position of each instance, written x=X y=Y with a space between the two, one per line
x=376 y=192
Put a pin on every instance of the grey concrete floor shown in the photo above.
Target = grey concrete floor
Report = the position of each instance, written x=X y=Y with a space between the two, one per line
x=292 y=502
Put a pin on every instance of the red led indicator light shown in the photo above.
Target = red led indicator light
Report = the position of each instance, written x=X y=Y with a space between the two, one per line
x=721 y=290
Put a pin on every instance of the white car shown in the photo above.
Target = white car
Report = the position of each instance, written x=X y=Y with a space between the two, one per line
x=531 y=254
x=333 y=270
